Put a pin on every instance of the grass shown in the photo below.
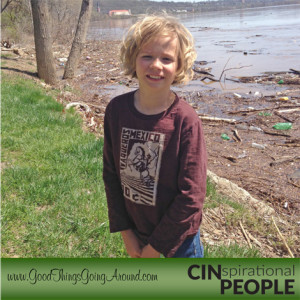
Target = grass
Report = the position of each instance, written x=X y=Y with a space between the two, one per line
x=232 y=251
x=237 y=213
x=53 y=199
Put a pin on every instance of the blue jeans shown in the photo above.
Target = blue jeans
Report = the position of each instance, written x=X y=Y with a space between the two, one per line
x=191 y=248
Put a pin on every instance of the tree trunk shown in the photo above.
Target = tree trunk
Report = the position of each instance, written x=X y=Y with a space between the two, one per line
x=43 y=41
x=79 y=39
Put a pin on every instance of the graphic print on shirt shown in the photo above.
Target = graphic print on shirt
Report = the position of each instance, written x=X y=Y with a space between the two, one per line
x=140 y=159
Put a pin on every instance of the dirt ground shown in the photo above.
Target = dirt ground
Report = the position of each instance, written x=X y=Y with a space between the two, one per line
x=258 y=158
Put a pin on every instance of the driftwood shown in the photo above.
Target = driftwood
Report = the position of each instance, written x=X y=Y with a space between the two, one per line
x=230 y=79
x=231 y=158
x=254 y=239
x=293 y=109
x=236 y=134
x=6 y=49
x=202 y=72
x=245 y=111
x=284 y=160
x=237 y=68
x=238 y=194
x=283 y=239
x=293 y=183
x=245 y=235
x=211 y=79
x=286 y=111
x=282 y=117
x=288 y=145
x=224 y=70
x=294 y=71
x=215 y=119
x=275 y=133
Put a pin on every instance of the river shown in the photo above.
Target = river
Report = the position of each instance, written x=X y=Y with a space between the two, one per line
x=250 y=41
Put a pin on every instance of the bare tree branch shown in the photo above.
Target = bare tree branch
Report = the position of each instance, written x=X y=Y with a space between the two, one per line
x=5 y=5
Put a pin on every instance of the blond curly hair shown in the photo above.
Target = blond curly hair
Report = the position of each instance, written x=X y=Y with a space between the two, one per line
x=150 y=27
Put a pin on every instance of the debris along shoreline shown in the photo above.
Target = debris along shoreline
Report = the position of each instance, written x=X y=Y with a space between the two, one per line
x=257 y=157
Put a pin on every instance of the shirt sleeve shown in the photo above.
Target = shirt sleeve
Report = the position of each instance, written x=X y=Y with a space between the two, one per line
x=117 y=213
x=185 y=213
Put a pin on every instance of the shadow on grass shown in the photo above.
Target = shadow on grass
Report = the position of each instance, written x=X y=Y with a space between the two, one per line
x=33 y=74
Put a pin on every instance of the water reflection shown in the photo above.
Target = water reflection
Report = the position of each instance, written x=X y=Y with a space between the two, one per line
x=112 y=29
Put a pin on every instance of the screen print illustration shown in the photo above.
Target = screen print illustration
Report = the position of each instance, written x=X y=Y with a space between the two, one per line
x=140 y=159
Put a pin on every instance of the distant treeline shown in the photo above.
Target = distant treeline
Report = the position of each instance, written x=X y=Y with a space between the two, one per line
x=144 y=6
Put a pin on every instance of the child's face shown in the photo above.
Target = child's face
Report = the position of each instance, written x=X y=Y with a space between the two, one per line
x=157 y=63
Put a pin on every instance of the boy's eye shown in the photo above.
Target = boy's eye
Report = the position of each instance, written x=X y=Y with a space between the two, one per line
x=168 y=59
x=146 y=56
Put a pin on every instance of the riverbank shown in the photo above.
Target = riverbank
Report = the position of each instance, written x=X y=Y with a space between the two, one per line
x=268 y=171
x=100 y=78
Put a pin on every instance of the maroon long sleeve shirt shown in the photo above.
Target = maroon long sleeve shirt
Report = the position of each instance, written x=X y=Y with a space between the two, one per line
x=154 y=172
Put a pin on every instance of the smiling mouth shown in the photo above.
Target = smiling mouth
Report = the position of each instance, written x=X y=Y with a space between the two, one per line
x=154 y=77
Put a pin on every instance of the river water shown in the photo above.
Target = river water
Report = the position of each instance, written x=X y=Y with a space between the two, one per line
x=251 y=41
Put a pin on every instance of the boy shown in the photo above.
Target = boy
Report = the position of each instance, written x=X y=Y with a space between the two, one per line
x=154 y=152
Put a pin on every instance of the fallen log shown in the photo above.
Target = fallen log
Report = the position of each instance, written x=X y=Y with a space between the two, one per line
x=236 y=193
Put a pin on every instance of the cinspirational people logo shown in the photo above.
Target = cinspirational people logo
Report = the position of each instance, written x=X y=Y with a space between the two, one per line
x=258 y=280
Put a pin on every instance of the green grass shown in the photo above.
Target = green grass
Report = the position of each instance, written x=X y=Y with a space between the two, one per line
x=238 y=212
x=231 y=251
x=214 y=199
x=53 y=199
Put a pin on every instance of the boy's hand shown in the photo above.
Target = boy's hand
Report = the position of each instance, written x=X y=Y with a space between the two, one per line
x=149 y=252
x=132 y=243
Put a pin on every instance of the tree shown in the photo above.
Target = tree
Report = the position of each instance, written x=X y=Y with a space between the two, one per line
x=79 y=39
x=43 y=41
x=5 y=4
x=64 y=15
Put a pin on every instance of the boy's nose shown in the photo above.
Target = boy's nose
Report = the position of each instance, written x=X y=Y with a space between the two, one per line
x=156 y=63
